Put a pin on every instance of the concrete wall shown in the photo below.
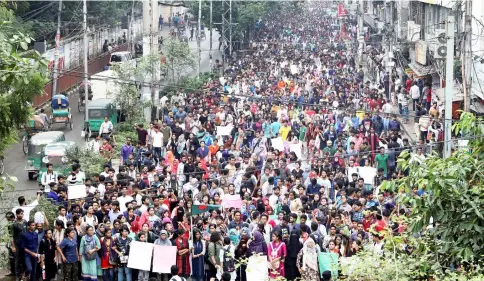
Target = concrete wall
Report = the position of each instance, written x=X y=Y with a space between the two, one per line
x=74 y=76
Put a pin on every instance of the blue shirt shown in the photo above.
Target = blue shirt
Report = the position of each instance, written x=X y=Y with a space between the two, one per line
x=275 y=127
x=30 y=241
x=68 y=248
x=53 y=195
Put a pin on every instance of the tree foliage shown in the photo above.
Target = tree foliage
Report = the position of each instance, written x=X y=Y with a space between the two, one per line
x=39 y=18
x=128 y=93
x=22 y=78
x=179 y=58
x=446 y=223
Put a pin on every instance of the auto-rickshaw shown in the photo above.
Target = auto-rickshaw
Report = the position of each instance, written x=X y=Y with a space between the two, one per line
x=61 y=112
x=35 y=146
x=56 y=154
x=96 y=111
x=33 y=127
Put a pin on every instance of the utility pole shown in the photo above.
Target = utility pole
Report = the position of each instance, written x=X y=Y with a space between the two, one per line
x=86 y=88
x=56 y=53
x=155 y=52
x=449 y=85
x=211 y=19
x=199 y=37
x=130 y=30
x=146 y=91
x=230 y=28
x=360 y=34
x=466 y=56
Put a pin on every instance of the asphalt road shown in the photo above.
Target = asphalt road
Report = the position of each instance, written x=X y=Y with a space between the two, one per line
x=15 y=160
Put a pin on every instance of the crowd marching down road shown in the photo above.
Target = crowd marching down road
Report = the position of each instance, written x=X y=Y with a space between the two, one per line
x=278 y=162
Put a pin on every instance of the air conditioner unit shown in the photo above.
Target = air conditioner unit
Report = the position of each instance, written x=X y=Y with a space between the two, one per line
x=440 y=46
x=440 y=51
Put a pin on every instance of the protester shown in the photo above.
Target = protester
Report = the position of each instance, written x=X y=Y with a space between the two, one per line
x=293 y=139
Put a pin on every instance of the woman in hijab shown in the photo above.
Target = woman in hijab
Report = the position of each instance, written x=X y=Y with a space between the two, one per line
x=101 y=229
x=88 y=250
x=293 y=248
x=180 y=146
x=307 y=261
x=48 y=249
x=234 y=237
x=257 y=245
x=108 y=258
x=241 y=253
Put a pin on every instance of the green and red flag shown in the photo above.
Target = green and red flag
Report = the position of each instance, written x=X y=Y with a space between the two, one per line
x=202 y=208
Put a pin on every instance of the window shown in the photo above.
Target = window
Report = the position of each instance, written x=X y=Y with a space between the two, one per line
x=97 y=113
x=117 y=58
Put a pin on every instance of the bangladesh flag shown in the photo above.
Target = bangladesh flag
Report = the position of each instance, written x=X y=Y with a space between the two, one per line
x=198 y=209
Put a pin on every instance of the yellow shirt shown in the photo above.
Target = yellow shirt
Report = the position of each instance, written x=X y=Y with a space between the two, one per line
x=284 y=131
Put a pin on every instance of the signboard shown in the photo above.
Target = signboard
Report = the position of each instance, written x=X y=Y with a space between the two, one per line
x=421 y=52
x=341 y=10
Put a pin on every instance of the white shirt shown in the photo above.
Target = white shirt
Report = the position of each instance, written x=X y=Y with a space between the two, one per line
x=122 y=202
x=48 y=178
x=415 y=92
x=105 y=127
x=387 y=108
x=157 y=139
x=163 y=100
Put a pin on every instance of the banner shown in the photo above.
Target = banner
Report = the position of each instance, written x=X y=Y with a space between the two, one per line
x=257 y=268
x=224 y=130
x=163 y=258
x=232 y=201
x=341 y=10
x=76 y=191
x=296 y=148
x=140 y=254
x=328 y=261
x=277 y=143
x=368 y=174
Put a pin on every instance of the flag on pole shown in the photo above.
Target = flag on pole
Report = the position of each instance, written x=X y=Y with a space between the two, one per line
x=198 y=209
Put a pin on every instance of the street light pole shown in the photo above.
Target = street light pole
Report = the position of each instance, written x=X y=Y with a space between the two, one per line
x=56 y=53
x=86 y=87
x=199 y=37
x=449 y=86
x=211 y=18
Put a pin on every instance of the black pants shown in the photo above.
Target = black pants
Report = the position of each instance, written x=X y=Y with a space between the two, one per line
x=70 y=271
x=19 y=261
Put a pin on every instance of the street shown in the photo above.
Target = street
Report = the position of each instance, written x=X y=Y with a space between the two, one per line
x=15 y=159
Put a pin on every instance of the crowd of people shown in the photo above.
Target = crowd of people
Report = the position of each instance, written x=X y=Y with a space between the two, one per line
x=298 y=83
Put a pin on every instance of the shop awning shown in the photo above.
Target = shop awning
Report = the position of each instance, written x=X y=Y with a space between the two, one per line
x=418 y=70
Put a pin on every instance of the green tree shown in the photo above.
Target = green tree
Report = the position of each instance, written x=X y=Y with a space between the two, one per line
x=22 y=78
x=179 y=58
x=127 y=93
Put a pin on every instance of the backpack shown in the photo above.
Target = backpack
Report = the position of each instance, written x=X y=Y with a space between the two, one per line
x=94 y=219
x=229 y=261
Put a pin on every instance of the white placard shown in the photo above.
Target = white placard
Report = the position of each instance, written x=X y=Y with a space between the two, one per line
x=140 y=254
x=76 y=191
x=350 y=171
x=257 y=268
x=296 y=148
x=163 y=258
x=368 y=174
x=224 y=130
x=277 y=143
